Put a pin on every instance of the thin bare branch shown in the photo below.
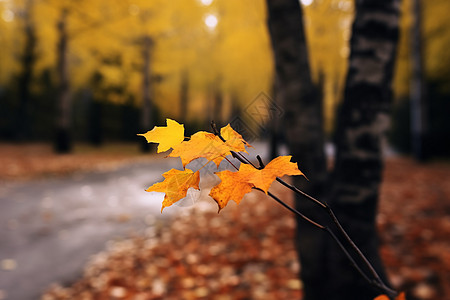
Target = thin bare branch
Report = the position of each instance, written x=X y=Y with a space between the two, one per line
x=377 y=282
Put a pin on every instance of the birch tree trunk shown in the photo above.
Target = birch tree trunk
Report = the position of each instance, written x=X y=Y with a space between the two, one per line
x=362 y=122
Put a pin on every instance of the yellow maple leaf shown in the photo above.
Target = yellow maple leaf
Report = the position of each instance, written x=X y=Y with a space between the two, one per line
x=167 y=137
x=175 y=185
x=202 y=144
x=234 y=185
x=233 y=139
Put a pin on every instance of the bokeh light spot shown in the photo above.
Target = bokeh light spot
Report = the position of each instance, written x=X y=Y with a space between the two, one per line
x=211 y=21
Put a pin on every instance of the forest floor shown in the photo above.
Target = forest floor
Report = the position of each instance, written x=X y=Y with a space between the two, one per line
x=246 y=252
x=37 y=161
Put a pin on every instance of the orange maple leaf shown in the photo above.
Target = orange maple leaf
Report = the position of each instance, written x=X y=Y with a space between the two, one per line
x=202 y=144
x=382 y=297
x=233 y=139
x=401 y=296
x=167 y=137
x=234 y=185
x=278 y=167
x=175 y=185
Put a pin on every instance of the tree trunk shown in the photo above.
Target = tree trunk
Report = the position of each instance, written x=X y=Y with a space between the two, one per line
x=302 y=124
x=146 y=114
x=218 y=102
x=274 y=127
x=28 y=60
x=418 y=104
x=63 y=139
x=184 y=96
x=362 y=122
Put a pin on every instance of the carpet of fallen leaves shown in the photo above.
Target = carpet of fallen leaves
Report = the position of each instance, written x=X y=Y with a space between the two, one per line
x=414 y=223
x=30 y=161
x=246 y=251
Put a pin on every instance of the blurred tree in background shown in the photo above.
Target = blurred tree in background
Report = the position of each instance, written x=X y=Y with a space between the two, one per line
x=223 y=46
x=95 y=55
x=352 y=186
x=96 y=71
x=435 y=61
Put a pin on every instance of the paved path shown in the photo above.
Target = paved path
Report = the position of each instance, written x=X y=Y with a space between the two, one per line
x=49 y=228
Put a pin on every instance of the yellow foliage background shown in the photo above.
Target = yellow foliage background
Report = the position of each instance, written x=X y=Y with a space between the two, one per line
x=234 y=57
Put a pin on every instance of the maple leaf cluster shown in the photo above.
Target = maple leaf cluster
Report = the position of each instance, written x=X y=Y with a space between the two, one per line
x=215 y=148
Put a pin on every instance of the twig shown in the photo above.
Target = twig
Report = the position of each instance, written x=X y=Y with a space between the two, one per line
x=294 y=210
x=358 y=251
x=340 y=228
x=261 y=164
x=230 y=162
x=378 y=283
x=236 y=155
x=215 y=131
x=295 y=189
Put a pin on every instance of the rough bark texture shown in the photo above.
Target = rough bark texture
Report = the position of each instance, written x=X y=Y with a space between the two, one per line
x=362 y=122
x=303 y=128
